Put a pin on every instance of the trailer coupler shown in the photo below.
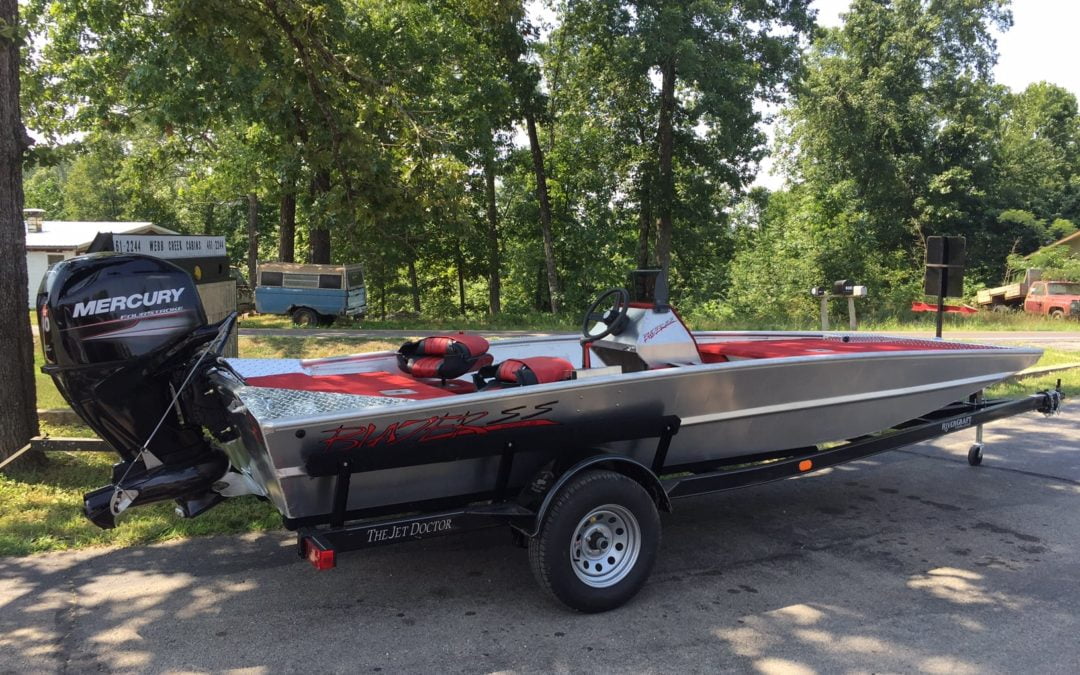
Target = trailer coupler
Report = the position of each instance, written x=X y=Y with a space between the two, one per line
x=1051 y=400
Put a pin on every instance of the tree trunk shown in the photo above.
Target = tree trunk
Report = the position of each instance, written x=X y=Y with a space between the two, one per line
x=460 y=264
x=540 y=297
x=644 y=226
x=666 y=192
x=287 y=227
x=252 y=235
x=320 y=235
x=494 y=280
x=545 y=210
x=414 y=285
x=208 y=219
x=320 y=245
x=382 y=297
x=18 y=396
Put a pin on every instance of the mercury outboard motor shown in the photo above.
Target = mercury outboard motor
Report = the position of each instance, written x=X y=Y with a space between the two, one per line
x=122 y=334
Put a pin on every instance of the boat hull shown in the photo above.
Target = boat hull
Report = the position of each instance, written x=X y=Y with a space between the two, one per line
x=727 y=410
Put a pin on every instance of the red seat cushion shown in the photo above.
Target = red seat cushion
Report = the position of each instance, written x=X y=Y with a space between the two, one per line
x=444 y=356
x=441 y=345
x=533 y=370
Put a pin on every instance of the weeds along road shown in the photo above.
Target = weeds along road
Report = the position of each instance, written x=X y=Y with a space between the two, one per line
x=908 y=561
x=1065 y=339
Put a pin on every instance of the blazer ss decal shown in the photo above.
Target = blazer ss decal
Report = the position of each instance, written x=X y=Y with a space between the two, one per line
x=438 y=427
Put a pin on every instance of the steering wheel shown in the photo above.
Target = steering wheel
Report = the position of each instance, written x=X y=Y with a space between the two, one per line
x=614 y=317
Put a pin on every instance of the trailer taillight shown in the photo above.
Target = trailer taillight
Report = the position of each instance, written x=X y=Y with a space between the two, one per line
x=321 y=558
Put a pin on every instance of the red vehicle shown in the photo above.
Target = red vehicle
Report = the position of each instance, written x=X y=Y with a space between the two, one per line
x=1057 y=299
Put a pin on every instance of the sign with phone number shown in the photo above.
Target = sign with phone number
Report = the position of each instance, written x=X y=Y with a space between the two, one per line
x=170 y=245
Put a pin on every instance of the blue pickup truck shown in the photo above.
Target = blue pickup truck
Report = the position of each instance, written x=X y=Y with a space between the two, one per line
x=311 y=294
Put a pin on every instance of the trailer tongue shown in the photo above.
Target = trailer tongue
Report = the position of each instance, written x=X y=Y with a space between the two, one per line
x=575 y=443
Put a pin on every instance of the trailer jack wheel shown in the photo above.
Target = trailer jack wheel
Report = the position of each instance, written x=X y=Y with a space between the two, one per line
x=975 y=455
x=598 y=542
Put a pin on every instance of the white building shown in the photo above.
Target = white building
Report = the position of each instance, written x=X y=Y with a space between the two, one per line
x=50 y=241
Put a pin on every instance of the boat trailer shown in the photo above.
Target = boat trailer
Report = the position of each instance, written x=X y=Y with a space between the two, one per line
x=528 y=511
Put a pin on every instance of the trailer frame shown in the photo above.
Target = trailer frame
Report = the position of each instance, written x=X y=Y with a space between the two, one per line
x=524 y=512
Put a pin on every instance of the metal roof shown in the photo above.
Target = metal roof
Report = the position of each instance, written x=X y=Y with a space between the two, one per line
x=1065 y=240
x=307 y=268
x=73 y=234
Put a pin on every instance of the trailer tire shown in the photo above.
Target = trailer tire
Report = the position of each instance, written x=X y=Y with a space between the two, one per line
x=975 y=455
x=306 y=317
x=607 y=523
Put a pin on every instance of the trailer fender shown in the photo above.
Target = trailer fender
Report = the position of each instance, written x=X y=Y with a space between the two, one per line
x=630 y=468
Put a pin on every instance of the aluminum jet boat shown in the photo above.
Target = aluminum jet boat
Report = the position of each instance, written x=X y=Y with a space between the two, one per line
x=509 y=429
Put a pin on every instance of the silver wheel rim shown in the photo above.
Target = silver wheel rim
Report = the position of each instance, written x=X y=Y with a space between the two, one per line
x=605 y=545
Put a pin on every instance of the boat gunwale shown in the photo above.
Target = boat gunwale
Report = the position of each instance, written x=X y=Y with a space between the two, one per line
x=412 y=406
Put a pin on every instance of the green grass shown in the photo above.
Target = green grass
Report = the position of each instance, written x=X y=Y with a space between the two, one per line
x=47 y=395
x=983 y=321
x=42 y=510
x=308 y=347
x=1070 y=379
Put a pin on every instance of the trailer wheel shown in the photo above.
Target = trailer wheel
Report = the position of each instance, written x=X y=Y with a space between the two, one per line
x=598 y=542
x=975 y=455
x=303 y=316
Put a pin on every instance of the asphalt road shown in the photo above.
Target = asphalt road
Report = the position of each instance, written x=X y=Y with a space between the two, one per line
x=1066 y=340
x=911 y=561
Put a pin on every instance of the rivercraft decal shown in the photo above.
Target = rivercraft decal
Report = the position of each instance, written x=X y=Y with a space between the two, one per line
x=438 y=427
x=657 y=330
x=953 y=425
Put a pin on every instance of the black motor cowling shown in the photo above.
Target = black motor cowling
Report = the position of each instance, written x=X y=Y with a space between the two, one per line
x=105 y=308
x=120 y=333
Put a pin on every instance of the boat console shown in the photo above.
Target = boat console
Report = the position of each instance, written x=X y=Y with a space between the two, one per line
x=653 y=338
x=639 y=332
